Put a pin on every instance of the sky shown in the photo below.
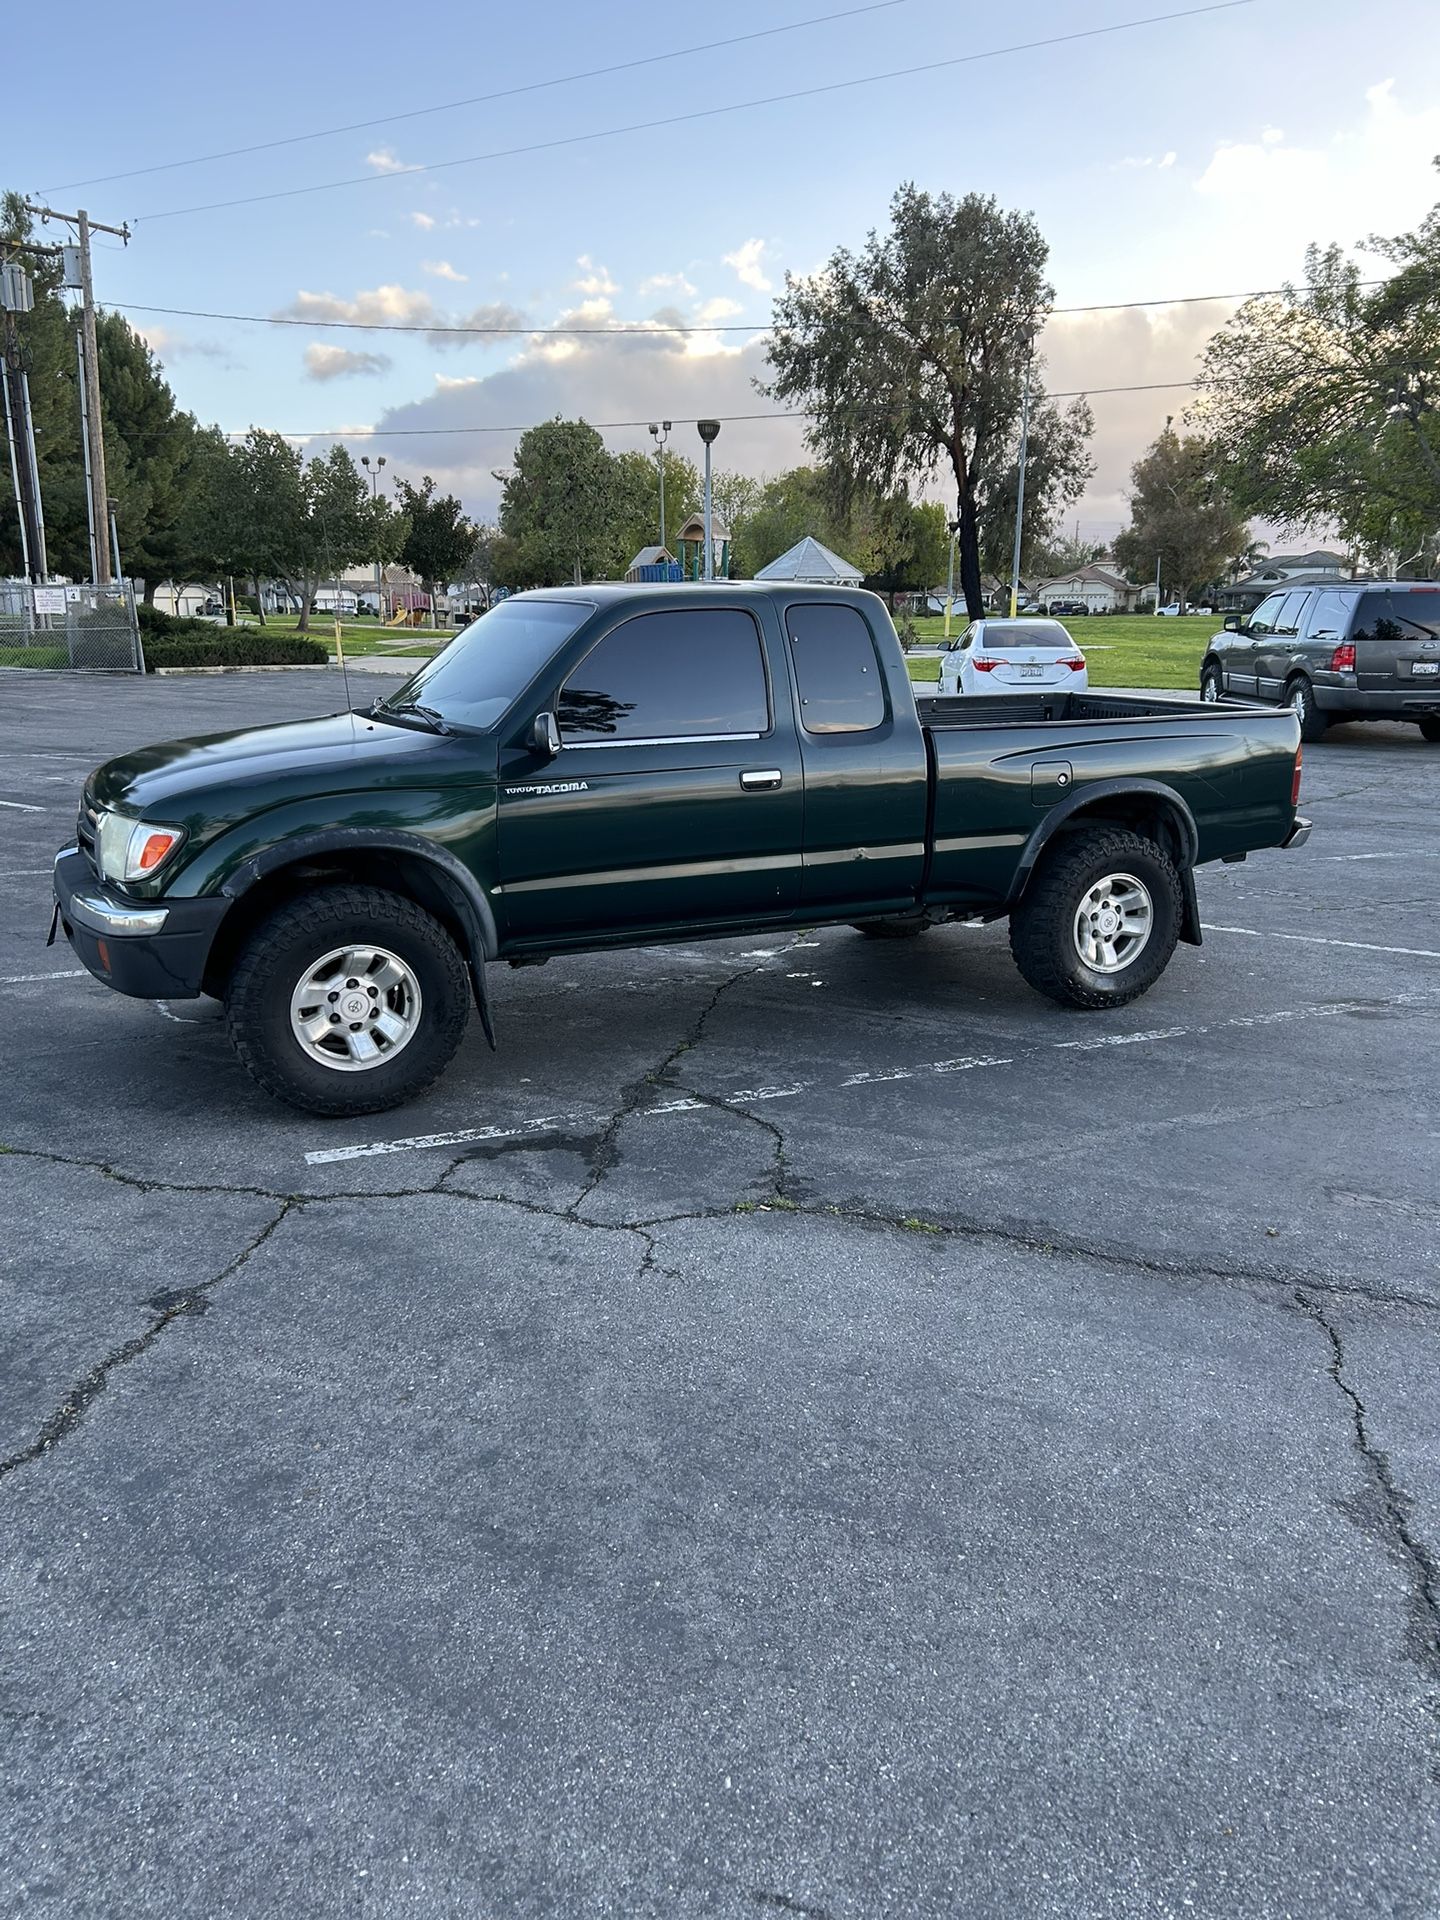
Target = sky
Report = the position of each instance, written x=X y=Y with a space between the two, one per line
x=1189 y=156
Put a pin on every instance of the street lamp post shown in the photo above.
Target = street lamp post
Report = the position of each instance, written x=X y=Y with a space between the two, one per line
x=954 y=526
x=1020 y=494
x=374 y=473
x=660 y=434
x=709 y=431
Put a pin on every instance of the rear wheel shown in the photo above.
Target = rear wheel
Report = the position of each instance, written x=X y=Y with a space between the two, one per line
x=1430 y=727
x=1300 y=698
x=349 y=1000
x=1099 y=921
x=1211 y=685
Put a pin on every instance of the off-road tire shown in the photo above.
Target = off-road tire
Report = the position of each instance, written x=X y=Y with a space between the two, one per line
x=892 y=929
x=1300 y=698
x=274 y=958
x=1430 y=727
x=1042 y=937
x=1211 y=675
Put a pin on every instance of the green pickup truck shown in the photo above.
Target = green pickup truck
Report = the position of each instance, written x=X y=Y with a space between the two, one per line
x=614 y=766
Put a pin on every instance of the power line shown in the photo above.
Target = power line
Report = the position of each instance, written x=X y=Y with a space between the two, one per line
x=644 y=326
x=708 y=113
x=601 y=426
x=486 y=99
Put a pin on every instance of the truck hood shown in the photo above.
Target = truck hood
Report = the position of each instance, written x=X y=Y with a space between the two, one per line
x=266 y=766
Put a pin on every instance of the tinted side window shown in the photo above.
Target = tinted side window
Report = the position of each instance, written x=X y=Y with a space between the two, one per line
x=664 y=675
x=1266 y=616
x=836 y=668
x=1331 y=615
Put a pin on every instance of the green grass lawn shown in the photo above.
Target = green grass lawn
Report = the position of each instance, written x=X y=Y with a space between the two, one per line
x=1123 y=650
x=363 y=638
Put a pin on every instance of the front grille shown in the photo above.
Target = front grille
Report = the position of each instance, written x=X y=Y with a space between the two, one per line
x=87 y=827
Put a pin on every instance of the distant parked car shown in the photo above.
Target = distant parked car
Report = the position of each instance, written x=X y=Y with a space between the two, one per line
x=1069 y=608
x=1007 y=656
x=1170 y=612
x=1358 y=650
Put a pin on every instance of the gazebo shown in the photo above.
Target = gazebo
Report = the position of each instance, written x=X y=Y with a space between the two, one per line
x=813 y=565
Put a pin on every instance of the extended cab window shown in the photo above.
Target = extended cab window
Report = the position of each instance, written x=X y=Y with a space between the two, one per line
x=665 y=676
x=836 y=668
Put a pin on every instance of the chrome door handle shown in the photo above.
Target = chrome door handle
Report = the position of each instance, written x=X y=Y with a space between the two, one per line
x=760 y=778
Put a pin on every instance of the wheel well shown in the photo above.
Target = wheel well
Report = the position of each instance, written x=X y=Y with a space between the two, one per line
x=1210 y=660
x=1149 y=814
x=414 y=878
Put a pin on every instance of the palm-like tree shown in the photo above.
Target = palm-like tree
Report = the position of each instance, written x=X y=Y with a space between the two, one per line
x=1247 y=559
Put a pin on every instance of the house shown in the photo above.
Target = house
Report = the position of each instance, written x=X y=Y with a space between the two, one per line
x=1098 y=588
x=655 y=564
x=1322 y=564
x=184 y=601
x=1243 y=596
x=813 y=565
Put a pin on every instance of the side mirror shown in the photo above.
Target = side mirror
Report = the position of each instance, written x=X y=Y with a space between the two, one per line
x=1234 y=623
x=545 y=735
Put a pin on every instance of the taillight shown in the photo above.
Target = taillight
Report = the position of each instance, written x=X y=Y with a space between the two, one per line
x=1299 y=765
x=987 y=666
x=1343 y=658
x=1076 y=666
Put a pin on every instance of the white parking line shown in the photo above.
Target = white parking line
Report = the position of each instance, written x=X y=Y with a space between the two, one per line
x=20 y=806
x=27 y=979
x=26 y=873
x=864 y=1077
x=1324 y=940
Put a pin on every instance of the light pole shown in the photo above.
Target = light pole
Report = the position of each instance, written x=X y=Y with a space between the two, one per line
x=374 y=473
x=1020 y=494
x=954 y=526
x=709 y=431
x=660 y=435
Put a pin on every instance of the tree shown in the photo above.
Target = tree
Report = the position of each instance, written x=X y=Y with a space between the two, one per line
x=558 y=506
x=336 y=527
x=1180 y=516
x=439 y=538
x=637 y=503
x=913 y=353
x=149 y=444
x=1325 y=400
x=734 y=497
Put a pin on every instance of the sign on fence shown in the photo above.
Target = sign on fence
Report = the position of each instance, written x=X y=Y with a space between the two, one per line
x=78 y=626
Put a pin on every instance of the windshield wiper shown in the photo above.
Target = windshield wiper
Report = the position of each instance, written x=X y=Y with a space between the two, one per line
x=436 y=722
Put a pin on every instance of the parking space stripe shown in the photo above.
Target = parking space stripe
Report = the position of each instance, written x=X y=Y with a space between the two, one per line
x=863 y=1077
x=28 y=979
x=1325 y=940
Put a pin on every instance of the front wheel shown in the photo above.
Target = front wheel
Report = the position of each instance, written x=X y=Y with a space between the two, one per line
x=1099 y=921
x=347 y=1001
x=1300 y=698
x=1211 y=685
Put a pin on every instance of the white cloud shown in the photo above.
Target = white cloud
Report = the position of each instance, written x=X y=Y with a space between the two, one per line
x=594 y=279
x=1162 y=161
x=746 y=261
x=410 y=307
x=713 y=311
x=323 y=362
x=385 y=160
x=169 y=345
x=665 y=283
x=445 y=384
x=425 y=221
x=442 y=270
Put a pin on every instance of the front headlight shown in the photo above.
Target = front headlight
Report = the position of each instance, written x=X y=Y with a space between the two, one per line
x=134 y=849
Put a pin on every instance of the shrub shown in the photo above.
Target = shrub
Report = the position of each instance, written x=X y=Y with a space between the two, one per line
x=210 y=646
x=165 y=626
x=908 y=632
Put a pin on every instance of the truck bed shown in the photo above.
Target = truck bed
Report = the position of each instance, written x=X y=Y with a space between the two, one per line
x=1020 y=709
x=1001 y=763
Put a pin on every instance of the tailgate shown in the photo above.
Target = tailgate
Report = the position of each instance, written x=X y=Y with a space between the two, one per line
x=1397 y=640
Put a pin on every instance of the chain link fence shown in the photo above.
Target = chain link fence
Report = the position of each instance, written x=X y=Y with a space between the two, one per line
x=86 y=626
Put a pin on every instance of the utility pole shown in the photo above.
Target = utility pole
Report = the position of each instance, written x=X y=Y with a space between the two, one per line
x=99 y=495
x=660 y=434
x=954 y=528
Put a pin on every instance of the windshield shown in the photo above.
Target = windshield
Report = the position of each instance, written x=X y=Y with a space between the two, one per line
x=488 y=664
x=1002 y=636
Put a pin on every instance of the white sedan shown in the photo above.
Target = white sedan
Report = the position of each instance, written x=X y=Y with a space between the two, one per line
x=1013 y=656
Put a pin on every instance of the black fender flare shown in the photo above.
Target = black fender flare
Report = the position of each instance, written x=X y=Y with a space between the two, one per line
x=1084 y=797
x=472 y=909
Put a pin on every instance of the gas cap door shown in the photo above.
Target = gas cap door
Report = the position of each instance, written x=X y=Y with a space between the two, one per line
x=1050 y=780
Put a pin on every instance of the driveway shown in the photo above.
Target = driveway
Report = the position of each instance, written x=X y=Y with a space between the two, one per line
x=809 y=1427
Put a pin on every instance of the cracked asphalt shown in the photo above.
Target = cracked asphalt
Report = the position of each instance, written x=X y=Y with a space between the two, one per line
x=808 y=1428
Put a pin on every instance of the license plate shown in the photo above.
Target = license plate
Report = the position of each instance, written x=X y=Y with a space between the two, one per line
x=1425 y=666
x=1029 y=672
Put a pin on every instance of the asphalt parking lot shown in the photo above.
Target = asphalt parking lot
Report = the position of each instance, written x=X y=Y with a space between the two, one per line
x=808 y=1428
